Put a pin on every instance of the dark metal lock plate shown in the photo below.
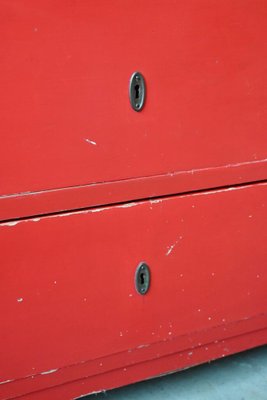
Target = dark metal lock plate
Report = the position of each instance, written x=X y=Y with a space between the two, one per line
x=142 y=278
x=137 y=91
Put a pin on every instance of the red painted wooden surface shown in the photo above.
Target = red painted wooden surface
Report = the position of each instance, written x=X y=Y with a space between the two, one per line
x=68 y=298
x=71 y=321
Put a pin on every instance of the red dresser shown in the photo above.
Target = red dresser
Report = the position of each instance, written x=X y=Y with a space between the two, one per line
x=133 y=208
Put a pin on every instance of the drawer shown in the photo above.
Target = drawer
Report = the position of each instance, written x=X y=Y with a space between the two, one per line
x=66 y=119
x=68 y=296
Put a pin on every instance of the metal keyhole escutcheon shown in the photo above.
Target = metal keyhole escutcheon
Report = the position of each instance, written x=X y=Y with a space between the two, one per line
x=142 y=278
x=137 y=91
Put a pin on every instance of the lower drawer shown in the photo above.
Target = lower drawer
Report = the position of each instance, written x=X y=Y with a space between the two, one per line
x=69 y=307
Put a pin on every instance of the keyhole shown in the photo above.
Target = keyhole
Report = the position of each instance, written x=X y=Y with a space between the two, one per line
x=137 y=90
x=142 y=278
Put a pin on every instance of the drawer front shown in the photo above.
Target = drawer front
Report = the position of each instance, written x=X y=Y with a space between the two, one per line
x=66 y=118
x=68 y=281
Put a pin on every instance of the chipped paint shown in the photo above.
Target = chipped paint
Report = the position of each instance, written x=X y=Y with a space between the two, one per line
x=142 y=346
x=156 y=201
x=91 y=142
x=7 y=381
x=171 y=247
x=128 y=205
x=71 y=213
x=112 y=207
x=176 y=173
x=12 y=223
x=51 y=371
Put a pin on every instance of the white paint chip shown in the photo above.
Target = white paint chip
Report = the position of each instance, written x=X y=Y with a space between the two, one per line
x=141 y=346
x=12 y=223
x=90 y=141
x=171 y=247
x=51 y=371
x=20 y=299
x=128 y=205
x=155 y=201
x=7 y=381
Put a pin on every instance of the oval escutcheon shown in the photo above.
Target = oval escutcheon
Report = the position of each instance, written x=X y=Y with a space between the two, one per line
x=137 y=91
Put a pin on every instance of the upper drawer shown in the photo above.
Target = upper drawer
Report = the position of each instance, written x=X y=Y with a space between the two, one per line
x=65 y=67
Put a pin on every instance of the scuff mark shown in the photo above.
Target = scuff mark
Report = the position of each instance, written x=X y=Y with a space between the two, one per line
x=170 y=248
x=51 y=371
x=91 y=142
x=142 y=346
x=7 y=381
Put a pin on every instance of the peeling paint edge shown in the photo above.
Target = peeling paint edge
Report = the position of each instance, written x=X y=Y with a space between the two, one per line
x=129 y=205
